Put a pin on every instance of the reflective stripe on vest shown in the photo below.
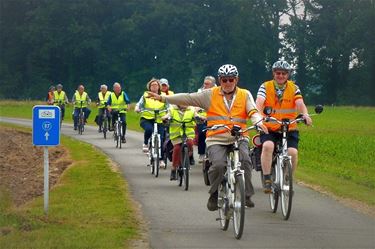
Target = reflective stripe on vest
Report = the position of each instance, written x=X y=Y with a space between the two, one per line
x=118 y=103
x=59 y=98
x=151 y=105
x=286 y=109
x=218 y=113
x=80 y=98
x=175 y=129
x=103 y=99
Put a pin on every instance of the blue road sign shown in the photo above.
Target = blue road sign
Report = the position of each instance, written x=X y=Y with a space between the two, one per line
x=46 y=125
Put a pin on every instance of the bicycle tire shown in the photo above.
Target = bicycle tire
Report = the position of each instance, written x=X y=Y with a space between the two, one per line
x=186 y=168
x=120 y=136
x=157 y=159
x=286 y=194
x=239 y=207
x=181 y=168
x=105 y=128
x=116 y=135
x=274 y=195
x=223 y=205
x=150 y=153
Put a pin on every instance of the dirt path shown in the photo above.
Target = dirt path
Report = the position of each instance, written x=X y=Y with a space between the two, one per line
x=21 y=165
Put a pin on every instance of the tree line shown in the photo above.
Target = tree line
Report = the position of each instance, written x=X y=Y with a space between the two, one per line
x=329 y=42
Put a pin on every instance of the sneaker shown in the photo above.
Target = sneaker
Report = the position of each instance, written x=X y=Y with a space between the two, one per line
x=145 y=148
x=249 y=203
x=201 y=158
x=212 y=202
x=100 y=130
x=162 y=164
x=267 y=186
x=110 y=128
x=173 y=175
x=192 y=161
x=123 y=140
x=75 y=128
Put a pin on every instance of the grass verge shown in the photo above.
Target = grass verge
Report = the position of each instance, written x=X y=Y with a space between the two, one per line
x=89 y=208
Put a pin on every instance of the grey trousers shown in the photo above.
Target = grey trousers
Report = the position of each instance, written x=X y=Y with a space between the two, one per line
x=217 y=155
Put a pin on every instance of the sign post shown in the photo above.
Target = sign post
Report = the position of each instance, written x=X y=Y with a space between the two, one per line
x=46 y=132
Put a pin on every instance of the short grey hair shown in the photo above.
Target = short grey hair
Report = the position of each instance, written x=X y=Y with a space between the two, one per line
x=210 y=78
x=116 y=83
x=104 y=86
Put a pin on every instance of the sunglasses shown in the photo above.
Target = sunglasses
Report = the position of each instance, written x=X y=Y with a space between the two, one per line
x=226 y=80
x=281 y=73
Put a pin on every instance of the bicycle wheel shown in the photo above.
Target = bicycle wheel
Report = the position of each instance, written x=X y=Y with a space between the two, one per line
x=120 y=134
x=157 y=158
x=150 y=155
x=274 y=195
x=105 y=128
x=223 y=205
x=116 y=135
x=186 y=167
x=239 y=206
x=287 y=189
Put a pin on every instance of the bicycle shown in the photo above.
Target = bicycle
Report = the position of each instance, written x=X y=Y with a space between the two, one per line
x=105 y=124
x=118 y=132
x=81 y=119
x=154 y=144
x=281 y=171
x=61 y=104
x=231 y=191
x=183 y=171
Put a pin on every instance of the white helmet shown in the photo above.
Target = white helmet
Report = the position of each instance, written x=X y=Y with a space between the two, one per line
x=227 y=70
x=283 y=65
x=164 y=81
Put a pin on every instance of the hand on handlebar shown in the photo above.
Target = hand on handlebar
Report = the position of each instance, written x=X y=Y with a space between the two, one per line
x=262 y=127
x=307 y=118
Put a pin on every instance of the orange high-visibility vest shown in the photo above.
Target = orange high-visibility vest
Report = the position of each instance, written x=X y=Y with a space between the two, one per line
x=218 y=113
x=286 y=108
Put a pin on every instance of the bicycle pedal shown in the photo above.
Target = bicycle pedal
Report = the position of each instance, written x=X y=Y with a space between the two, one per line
x=219 y=219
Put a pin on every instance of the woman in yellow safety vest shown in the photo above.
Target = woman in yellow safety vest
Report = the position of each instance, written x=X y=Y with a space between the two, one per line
x=101 y=102
x=147 y=105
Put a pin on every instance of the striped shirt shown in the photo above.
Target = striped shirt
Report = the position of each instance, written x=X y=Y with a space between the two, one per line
x=263 y=94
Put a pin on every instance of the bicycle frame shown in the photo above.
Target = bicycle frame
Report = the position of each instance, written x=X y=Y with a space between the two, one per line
x=183 y=169
x=155 y=154
x=231 y=192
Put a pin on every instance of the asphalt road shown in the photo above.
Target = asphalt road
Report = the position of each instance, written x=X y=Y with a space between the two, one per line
x=180 y=219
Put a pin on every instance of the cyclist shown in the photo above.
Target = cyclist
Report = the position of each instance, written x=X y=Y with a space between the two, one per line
x=117 y=105
x=60 y=99
x=101 y=102
x=285 y=98
x=229 y=105
x=80 y=95
x=49 y=97
x=164 y=84
x=180 y=113
x=209 y=82
x=147 y=118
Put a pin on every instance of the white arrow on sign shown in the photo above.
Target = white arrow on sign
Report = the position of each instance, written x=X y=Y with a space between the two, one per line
x=46 y=135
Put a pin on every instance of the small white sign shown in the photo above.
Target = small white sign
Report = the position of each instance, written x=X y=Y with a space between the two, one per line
x=46 y=114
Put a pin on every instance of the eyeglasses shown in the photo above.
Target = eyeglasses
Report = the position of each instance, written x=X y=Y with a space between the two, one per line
x=281 y=73
x=226 y=80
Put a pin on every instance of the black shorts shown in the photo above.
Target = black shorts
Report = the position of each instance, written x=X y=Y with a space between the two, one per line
x=293 y=138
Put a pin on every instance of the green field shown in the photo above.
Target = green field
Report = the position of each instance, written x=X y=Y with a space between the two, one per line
x=336 y=153
x=90 y=207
